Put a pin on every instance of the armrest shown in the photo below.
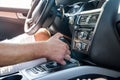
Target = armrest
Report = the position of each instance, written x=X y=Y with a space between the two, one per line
x=21 y=6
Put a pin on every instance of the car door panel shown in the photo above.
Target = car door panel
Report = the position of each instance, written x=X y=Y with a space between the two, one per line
x=12 y=17
x=15 y=5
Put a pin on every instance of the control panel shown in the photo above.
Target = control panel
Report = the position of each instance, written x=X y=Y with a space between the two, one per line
x=47 y=68
x=84 y=30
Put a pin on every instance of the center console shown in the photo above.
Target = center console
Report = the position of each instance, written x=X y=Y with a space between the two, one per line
x=42 y=70
x=84 y=30
x=75 y=73
x=48 y=68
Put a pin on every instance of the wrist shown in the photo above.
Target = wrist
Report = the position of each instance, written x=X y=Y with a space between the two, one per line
x=39 y=49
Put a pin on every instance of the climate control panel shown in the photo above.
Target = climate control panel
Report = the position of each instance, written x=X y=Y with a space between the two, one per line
x=84 y=30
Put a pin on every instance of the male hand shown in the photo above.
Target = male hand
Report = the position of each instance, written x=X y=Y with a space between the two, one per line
x=55 y=49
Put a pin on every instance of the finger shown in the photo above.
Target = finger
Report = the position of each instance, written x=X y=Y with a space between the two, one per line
x=67 y=57
x=68 y=52
x=67 y=47
x=62 y=62
x=58 y=35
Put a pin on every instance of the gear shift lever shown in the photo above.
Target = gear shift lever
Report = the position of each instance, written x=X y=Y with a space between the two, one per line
x=71 y=60
x=51 y=66
x=64 y=40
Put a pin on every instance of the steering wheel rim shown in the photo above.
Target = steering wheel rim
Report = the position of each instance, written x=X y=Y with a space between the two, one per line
x=37 y=15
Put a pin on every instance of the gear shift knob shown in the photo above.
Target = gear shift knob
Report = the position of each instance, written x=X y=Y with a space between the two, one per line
x=64 y=40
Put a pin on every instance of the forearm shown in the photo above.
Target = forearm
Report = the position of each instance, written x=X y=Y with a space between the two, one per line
x=11 y=52
x=52 y=49
x=16 y=53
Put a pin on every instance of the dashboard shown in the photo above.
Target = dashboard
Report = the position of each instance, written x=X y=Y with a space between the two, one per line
x=94 y=33
x=83 y=19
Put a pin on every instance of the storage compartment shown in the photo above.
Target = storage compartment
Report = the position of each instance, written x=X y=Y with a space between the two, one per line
x=14 y=77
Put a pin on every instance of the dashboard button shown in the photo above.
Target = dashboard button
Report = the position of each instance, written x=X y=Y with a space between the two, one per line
x=78 y=45
x=80 y=35
x=84 y=45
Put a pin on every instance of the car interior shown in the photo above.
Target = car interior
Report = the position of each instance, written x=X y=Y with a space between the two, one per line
x=91 y=29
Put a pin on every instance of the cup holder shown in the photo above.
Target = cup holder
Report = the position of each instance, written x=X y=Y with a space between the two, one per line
x=14 y=77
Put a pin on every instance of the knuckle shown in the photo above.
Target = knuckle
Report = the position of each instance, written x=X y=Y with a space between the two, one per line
x=68 y=52
x=65 y=46
x=59 y=58
x=59 y=33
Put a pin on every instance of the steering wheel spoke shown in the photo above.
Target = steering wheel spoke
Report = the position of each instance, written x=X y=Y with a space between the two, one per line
x=38 y=15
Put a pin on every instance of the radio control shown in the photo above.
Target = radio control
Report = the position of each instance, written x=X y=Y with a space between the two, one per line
x=84 y=31
x=81 y=46
x=85 y=35
x=80 y=35
x=78 y=45
x=84 y=45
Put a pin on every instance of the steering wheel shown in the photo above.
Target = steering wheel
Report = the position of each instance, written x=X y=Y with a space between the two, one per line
x=37 y=15
x=105 y=48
